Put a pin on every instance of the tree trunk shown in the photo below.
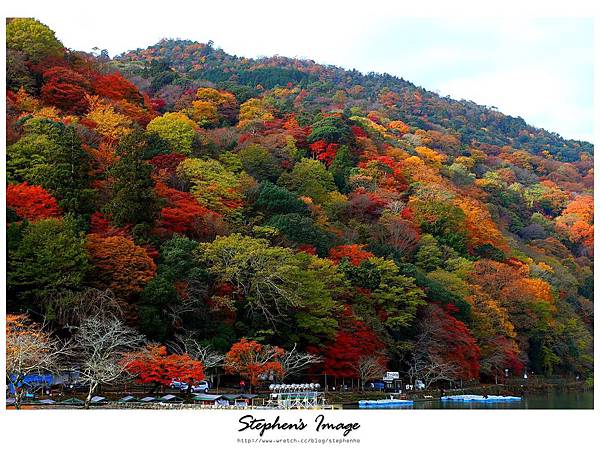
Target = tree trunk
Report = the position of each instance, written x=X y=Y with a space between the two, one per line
x=18 y=398
x=88 y=399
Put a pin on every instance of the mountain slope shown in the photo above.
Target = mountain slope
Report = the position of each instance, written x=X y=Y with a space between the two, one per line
x=193 y=62
x=357 y=217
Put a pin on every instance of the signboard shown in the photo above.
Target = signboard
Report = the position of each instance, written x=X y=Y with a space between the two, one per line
x=391 y=375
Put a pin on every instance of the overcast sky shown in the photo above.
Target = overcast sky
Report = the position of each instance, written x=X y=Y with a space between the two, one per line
x=539 y=69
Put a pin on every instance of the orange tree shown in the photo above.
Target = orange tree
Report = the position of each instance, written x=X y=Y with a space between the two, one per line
x=250 y=359
x=31 y=202
x=121 y=265
x=153 y=365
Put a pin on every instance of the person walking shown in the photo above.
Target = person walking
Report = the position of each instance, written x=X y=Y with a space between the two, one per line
x=242 y=386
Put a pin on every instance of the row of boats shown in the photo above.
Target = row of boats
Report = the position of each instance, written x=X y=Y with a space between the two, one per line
x=395 y=402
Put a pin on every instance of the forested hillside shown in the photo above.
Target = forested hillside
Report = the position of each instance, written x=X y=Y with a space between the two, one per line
x=358 y=217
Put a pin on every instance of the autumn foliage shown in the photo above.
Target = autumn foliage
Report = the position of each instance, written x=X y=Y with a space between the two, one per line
x=116 y=87
x=65 y=89
x=153 y=365
x=250 y=359
x=352 y=342
x=31 y=202
x=453 y=342
x=182 y=214
x=276 y=203
x=122 y=266
x=355 y=254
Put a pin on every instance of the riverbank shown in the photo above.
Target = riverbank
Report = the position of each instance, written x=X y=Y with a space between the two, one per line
x=510 y=389
x=339 y=399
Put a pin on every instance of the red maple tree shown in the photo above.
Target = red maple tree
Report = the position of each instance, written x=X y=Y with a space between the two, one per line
x=182 y=214
x=250 y=359
x=355 y=254
x=32 y=203
x=65 y=89
x=323 y=151
x=354 y=340
x=115 y=87
x=153 y=365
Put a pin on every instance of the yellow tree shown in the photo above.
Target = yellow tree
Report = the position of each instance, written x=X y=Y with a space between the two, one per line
x=225 y=102
x=177 y=129
x=204 y=113
x=109 y=124
x=253 y=111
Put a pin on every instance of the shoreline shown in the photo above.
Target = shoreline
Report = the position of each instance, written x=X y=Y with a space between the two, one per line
x=340 y=400
x=523 y=390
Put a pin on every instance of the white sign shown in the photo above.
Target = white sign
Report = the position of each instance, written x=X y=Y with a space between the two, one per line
x=391 y=375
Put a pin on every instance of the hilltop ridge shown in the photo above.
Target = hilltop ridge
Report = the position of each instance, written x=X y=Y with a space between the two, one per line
x=194 y=62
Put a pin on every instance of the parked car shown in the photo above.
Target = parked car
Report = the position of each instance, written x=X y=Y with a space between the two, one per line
x=176 y=384
x=201 y=387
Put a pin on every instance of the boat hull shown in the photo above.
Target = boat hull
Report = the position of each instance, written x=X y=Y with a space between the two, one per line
x=385 y=403
x=479 y=398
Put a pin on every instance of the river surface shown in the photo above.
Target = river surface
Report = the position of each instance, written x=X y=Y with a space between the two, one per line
x=554 y=400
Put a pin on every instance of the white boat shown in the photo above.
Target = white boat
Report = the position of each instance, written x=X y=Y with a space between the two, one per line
x=391 y=402
x=479 y=398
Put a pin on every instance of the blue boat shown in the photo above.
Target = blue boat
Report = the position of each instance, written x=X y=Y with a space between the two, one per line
x=479 y=398
x=385 y=403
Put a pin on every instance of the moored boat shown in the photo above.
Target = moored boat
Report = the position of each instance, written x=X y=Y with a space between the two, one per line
x=479 y=398
x=391 y=402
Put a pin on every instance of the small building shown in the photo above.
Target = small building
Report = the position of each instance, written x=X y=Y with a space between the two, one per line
x=98 y=400
x=72 y=401
x=239 y=400
x=171 y=399
x=208 y=399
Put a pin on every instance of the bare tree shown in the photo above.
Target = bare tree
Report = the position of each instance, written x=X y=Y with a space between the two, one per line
x=370 y=367
x=398 y=233
x=293 y=362
x=431 y=369
x=426 y=363
x=187 y=344
x=193 y=300
x=69 y=308
x=30 y=349
x=101 y=345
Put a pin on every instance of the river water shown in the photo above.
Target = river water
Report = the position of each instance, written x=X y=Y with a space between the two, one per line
x=553 y=400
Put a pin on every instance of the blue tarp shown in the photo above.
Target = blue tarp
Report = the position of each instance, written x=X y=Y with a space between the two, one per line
x=33 y=380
